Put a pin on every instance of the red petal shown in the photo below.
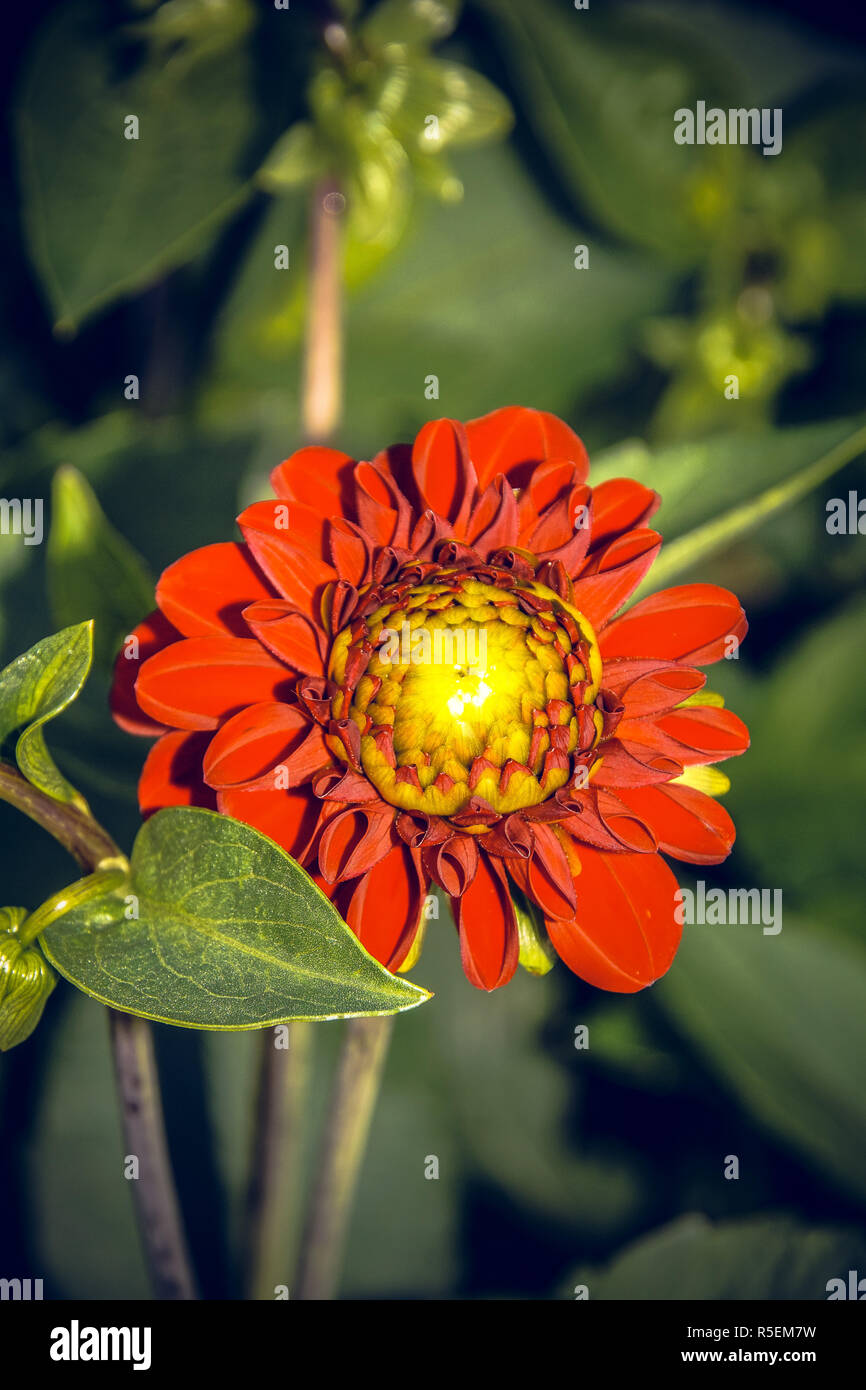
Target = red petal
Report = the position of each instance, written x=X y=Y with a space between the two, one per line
x=624 y=934
x=290 y=635
x=354 y=840
x=384 y=910
x=172 y=774
x=689 y=623
x=443 y=473
x=614 y=573
x=350 y=551
x=197 y=682
x=204 y=592
x=151 y=635
x=286 y=552
x=701 y=734
x=620 y=505
x=546 y=877
x=515 y=440
x=488 y=931
x=651 y=687
x=318 y=477
x=286 y=817
x=261 y=739
x=381 y=508
x=689 y=824
x=634 y=766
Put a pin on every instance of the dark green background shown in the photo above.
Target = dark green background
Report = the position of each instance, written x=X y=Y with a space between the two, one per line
x=552 y=1160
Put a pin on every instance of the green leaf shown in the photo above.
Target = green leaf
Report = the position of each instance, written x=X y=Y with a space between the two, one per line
x=34 y=688
x=106 y=215
x=755 y=1259
x=601 y=94
x=782 y=1018
x=716 y=490
x=230 y=934
x=92 y=571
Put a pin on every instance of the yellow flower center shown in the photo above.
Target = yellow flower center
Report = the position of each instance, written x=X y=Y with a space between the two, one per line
x=463 y=688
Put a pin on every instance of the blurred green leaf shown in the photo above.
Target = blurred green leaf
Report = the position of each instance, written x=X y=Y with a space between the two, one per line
x=106 y=215
x=716 y=490
x=36 y=687
x=509 y=308
x=782 y=1019
x=601 y=94
x=755 y=1259
x=808 y=794
x=230 y=934
x=409 y=22
x=92 y=571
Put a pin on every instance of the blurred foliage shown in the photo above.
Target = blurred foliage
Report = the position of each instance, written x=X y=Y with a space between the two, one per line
x=557 y=1165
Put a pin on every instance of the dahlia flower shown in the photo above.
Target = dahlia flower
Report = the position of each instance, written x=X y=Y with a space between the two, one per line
x=537 y=773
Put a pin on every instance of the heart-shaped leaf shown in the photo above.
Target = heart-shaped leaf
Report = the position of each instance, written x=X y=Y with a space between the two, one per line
x=230 y=933
x=34 y=688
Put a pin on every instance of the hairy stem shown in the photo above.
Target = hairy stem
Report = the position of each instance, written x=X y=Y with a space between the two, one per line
x=131 y=1038
x=356 y=1088
x=275 y=1169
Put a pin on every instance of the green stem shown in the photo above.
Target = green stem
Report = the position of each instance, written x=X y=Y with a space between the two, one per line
x=322 y=389
x=356 y=1088
x=57 y=906
x=71 y=826
x=275 y=1168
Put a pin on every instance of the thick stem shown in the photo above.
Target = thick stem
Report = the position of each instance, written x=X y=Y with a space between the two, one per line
x=322 y=390
x=156 y=1203
x=275 y=1169
x=356 y=1088
x=72 y=827
x=131 y=1039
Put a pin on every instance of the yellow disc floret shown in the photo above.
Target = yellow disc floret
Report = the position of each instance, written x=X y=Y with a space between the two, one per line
x=469 y=689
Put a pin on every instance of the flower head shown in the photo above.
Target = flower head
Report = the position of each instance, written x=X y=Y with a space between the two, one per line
x=412 y=672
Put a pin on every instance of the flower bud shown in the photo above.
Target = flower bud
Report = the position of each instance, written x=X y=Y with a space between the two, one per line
x=26 y=980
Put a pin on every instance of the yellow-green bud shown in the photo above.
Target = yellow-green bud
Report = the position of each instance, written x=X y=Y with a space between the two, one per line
x=26 y=980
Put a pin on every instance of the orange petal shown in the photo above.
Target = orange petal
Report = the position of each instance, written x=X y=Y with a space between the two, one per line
x=318 y=477
x=290 y=635
x=443 y=473
x=624 y=933
x=198 y=681
x=261 y=739
x=619 y=505
x=286 y=817
x=692 y=622
x=286 y=552
x=488 y=931
x=689 y=825
x=614 y=573
x=384 y=907
x=172 y=774
x=515 y=440
x=204 y=592
x=151 y=635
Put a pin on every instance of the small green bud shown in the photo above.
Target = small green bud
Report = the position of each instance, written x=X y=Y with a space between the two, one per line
x=537 y=956
x=26 y=980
